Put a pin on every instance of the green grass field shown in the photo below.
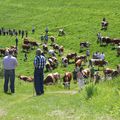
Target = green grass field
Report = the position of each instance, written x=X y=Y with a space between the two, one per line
x=81 y=20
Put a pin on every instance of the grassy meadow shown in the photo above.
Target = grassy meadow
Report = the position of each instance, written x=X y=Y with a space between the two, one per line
x=81 y=20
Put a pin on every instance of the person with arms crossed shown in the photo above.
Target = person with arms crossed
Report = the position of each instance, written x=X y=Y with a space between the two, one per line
x=9 y=64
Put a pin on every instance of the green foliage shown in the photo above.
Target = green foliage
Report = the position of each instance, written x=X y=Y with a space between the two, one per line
x=91 y=90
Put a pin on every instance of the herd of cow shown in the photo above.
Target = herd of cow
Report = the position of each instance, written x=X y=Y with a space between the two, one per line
x=73 y=58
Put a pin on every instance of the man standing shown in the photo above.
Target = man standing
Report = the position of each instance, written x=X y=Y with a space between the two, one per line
x=39 y=63
x=9 y=64
x=16 y=41
x=33 y=30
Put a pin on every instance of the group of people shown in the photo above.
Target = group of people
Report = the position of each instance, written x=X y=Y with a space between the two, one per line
x=98 y=55
x=13 y=32
x=10 y=63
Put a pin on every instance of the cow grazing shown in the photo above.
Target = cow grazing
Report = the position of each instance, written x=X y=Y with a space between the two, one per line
x=82 y=57
x=52 y=38
x=67 y=79
x=48 y=66
x=53 y=62
x=45 y=48
x=61 y=32
x=115 y=41
x=110 y=72
x=104 y=24
x=64 y=61
x=26 y=47
x=71 y=56
x=26 y=41
x=86 y=72
x=52 y=78
x=51 y=52
x=105 y=40
x=33 y=44
x=84 y=44
x=78 y=63
x=26 y=78
x=97 y=62
x=55 y=47
x=61 y=50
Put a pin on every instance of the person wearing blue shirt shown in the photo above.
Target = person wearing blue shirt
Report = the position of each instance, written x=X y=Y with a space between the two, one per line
x=39 y=64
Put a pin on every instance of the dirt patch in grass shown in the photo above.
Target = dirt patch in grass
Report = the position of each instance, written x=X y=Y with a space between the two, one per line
x=2 y=112
x=63 y=92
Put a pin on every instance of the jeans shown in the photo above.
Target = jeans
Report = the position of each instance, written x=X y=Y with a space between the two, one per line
x=38 y=81
x=9 y=75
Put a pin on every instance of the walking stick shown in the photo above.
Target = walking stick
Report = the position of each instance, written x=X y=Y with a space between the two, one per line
x=33 y=88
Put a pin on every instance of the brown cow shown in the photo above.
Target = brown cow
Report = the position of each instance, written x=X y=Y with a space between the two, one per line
x=86 y=72
x=97 y=62
x=110 y=72
x=26 y=78
x=115 y=41
x=26 y=41
x=78 y=63
x=52 y=78
x=53 y=62
x=33 y=43
x=26 y=47
x=48 y=66
x=82 y=57
x=66 y=79
x=71 y=56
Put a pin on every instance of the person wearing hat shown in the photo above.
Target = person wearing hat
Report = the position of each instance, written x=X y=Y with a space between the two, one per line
x=39 y=64
x=9 y=64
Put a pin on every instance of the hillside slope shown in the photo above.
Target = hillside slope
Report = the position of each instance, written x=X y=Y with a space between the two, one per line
x=81 y=20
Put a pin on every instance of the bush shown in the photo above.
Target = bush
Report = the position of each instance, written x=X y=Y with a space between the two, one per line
x=91 y=90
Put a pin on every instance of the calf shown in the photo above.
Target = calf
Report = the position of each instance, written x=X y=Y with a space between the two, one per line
x=26 y=47
x=26 y=78
x=52 y=78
